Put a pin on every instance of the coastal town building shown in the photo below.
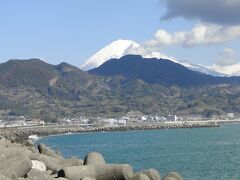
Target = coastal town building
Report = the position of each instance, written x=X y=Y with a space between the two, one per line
x=172 y=117
x=230 y=115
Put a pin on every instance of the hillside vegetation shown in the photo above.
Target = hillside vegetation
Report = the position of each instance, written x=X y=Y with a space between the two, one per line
x=40 y=90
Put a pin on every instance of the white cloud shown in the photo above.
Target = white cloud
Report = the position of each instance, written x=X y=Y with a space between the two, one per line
x=231 y=70
x=200 y=34
x=227 y=57
x=228 y=62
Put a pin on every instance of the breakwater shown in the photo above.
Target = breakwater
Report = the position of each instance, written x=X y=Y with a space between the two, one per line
x=20 y=134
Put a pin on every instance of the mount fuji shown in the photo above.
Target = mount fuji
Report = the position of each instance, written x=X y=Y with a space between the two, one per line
x=120 y=48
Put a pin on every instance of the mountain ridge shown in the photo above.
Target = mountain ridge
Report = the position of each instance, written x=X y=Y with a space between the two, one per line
x=36 y=89
x=161 y=71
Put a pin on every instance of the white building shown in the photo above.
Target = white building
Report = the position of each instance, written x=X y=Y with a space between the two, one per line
x=144 y=118
x=122 y=122
x=172 y=117
x=109 y=122
x=230 y=115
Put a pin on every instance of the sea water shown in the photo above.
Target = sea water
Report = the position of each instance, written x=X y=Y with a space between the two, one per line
x=201 y=153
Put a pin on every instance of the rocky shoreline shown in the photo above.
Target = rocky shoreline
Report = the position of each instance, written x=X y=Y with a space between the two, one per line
x=22 y=134
x=20 y=161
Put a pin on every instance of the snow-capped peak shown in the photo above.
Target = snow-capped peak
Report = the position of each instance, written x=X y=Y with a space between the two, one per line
x=116 y=49
x=120 y=48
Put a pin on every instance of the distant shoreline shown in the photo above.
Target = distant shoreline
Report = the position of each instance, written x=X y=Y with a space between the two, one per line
x=20 y=134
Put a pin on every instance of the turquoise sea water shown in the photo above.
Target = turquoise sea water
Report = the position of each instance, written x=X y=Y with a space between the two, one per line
x=207 y=153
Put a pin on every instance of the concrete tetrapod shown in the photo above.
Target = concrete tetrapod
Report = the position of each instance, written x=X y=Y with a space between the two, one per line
x=71 y=162
x=43 y=149
x=88 y=178
x=14 y=163
x=139 y=176
x=35 y=174
x=55 y=164
x=152 y=174
x=172 y=176
x=77 y=172
x=50 y=162
x=99 y=172
x=2 y=177
x=94 y=158
x=38 y=165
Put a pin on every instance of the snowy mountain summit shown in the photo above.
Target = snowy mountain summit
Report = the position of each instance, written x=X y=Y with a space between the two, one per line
x=118 y=49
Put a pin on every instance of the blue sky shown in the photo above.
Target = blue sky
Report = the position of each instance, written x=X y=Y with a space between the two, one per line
x=73 y=30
